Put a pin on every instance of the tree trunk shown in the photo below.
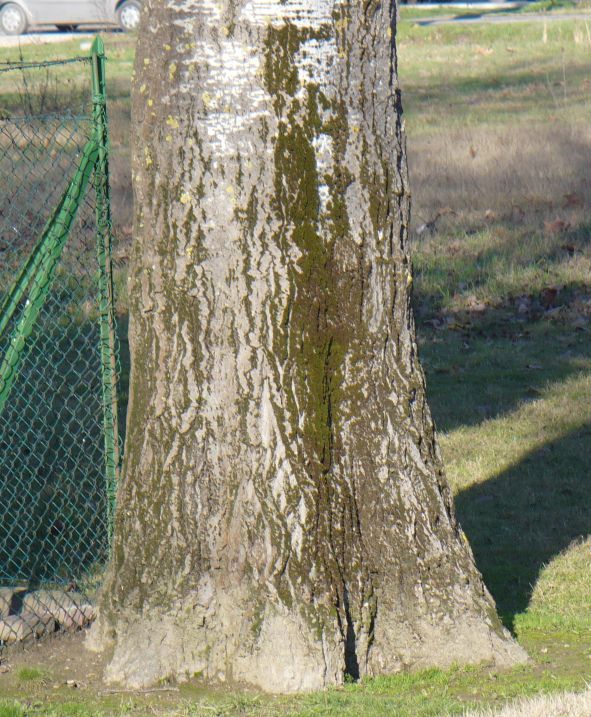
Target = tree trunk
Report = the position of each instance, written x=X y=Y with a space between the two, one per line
x=284 y=518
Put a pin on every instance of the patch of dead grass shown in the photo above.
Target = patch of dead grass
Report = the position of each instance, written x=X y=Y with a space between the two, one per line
x=564 y=705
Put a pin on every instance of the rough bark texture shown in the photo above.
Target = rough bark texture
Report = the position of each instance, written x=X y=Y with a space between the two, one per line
x=284 y=518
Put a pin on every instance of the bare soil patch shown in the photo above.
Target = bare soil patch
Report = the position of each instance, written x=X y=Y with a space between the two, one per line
x=62 y=661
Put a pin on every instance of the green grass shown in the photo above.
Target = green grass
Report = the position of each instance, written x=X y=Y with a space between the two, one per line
x=418 y=12
x=9 y=708
x=473 y=75
x=498 y=136
x=557 y=6
x=30 y=674
x=428 y=693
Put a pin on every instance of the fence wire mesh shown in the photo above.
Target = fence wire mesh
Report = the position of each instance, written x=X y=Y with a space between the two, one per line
x=58 y=352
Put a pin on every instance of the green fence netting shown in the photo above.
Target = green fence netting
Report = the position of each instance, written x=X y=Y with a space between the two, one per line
x=59 y=440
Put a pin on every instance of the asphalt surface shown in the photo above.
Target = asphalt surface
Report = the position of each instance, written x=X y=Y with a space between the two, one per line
x=497 y=17
x=45 y=36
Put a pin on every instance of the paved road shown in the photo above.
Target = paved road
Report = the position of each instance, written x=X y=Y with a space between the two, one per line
x=43 y=38
x=497 y=17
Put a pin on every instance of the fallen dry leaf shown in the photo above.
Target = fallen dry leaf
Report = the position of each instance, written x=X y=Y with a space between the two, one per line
x=570 y=248
x=549 y=295
x=472 y=152
x=572 y=199
x=557 y=226
x=475 y=304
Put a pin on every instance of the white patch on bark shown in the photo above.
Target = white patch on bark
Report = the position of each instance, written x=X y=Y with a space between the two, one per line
x=324 y=151
x=315 y=60
x=209 y=10
x=232 y=95
x=300 y=13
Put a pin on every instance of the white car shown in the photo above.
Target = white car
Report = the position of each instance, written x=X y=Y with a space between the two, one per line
x=16 y=16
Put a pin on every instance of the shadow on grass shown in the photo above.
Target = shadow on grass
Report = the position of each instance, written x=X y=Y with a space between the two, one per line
x=467 y=16
x=518 y=521
x=482 y=374
x=484 y=362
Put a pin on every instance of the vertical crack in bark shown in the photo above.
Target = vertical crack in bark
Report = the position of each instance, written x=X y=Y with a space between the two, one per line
x=351 y=661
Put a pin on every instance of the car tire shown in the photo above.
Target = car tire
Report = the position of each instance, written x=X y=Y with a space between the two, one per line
x=67 y=28
x=13 y=20
x=128 y=15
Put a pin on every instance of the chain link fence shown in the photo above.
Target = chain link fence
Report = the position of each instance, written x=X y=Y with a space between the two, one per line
x=59 y=445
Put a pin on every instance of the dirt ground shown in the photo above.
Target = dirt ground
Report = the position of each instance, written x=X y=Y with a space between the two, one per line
x=62 y=661
x=60 y=676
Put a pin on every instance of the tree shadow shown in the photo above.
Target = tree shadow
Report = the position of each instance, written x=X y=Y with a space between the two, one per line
x=518 y=521
x=481 y=363
x=484 y=373
x=468 y=17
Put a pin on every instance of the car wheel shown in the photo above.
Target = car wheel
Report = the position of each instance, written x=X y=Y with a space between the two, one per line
x=128 y=15
x=13 y=20
x=67 y=28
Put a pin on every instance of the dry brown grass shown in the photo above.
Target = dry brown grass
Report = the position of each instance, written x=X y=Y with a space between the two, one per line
x=520 y=173
x=564 y=705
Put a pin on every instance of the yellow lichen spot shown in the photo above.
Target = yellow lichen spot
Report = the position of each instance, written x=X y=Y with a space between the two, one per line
x=142 y=89
x=148 y=157
x=171 y=71
x=185 y=198
x=389 y=33
x=230 y=190
x=146 y=60
x=225 y=31
x=168 y=138
x=172 y=122
x=207 y=99
x=191 y=142
x=150 y=103
x=189 y=252
x=168 y=48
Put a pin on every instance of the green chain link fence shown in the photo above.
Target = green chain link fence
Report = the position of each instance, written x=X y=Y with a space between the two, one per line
x=59 y=443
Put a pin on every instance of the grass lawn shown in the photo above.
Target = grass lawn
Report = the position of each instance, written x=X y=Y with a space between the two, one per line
x=499 y=147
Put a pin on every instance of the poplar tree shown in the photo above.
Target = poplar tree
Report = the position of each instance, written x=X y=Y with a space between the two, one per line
x=284 y=518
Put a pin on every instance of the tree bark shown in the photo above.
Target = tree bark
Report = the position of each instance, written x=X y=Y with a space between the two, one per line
x=284 y=517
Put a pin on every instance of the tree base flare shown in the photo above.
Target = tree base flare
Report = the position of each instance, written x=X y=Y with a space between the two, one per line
x=282 y=655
